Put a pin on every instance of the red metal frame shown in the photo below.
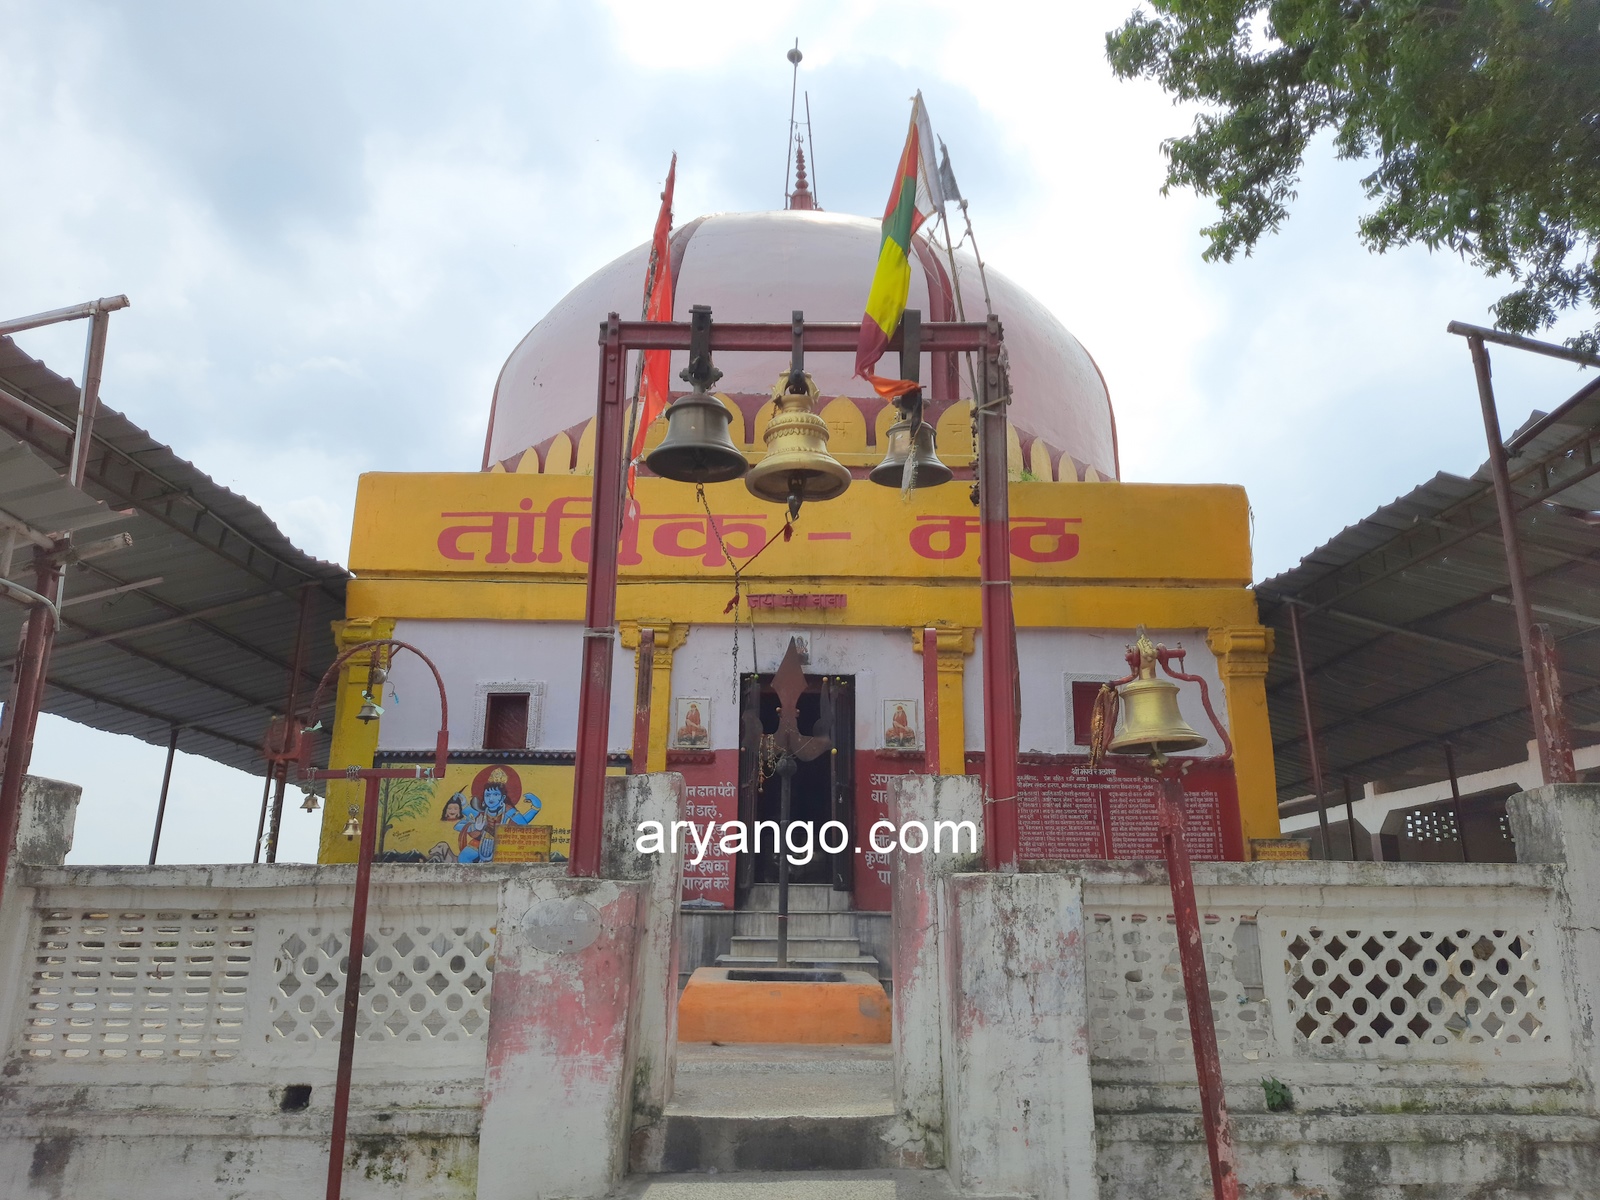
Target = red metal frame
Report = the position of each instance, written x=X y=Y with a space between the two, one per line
x=643 y=699
x=617 y=338
x=22 y=705
x=930 y=700
x=296 y=745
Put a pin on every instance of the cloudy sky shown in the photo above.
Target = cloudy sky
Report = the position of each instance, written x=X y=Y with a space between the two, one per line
x=335 y=221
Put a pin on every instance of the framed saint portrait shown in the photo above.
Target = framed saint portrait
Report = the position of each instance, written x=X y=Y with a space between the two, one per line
x=900 y=728
x=691 y=723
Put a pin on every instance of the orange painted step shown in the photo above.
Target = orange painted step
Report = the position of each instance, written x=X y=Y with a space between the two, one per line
x=747 y=1008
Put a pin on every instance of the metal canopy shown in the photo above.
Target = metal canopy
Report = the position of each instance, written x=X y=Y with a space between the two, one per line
x=1408 y=632
x=194 y=625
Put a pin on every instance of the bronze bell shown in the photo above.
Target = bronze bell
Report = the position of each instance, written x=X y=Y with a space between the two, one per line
x=926 y=469
x=1151 y=721
x=797 y=466
x=697 y=448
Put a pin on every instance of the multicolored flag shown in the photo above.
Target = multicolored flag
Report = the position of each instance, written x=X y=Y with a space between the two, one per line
x=657 y=364
x=917 y=195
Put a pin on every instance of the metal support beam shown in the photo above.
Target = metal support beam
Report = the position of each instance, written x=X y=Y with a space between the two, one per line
x=161 y=806
x=1311 y=733
x=1555 y=767
x=55 y=316
x=22 y=704
x=1480 y=334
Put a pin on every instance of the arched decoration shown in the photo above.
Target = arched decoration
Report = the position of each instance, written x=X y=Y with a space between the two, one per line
x=1040 y=465
x=1014 y=459
x=499 y=466
x=558 y=456
x=847 y=428
x=1067 y=469
x=1090 y=475
x=584 y=464
x=736 y=423
x=527 y=462
x=886 y=417
x=954 y=432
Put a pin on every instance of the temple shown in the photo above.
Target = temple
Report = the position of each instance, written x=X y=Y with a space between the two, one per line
x=485 y=572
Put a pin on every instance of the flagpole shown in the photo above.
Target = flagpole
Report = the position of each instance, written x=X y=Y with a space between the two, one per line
x=961 y=309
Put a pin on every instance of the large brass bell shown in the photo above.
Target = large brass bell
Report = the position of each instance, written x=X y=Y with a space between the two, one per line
x=797 y=466
x=903 y=447
x=697 y=448
x=1151 y=721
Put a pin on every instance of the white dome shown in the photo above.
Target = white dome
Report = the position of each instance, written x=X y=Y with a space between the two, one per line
x=763 y=266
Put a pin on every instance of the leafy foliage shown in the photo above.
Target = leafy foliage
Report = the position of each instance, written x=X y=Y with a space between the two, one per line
x=402 y=800
x=1278 y=1096
x=1482 y=117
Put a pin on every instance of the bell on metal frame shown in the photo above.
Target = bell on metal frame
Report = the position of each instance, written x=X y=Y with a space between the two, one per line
x=352 y=827
x=797 y=466
x=927 y=470
x=697 y=448
x=1151 y=721
x=311 y=802
x=370 y=710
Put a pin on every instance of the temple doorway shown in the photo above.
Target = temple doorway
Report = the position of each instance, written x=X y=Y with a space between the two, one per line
x=822 y=790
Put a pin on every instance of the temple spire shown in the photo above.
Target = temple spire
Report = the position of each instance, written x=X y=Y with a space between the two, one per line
x=801 y=197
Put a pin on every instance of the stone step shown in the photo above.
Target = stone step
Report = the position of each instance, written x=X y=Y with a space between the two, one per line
x=799 y=947
x=862 y=962
x=803 y=897
x=750 y=923
x=903 y=1184
x=774 y=1108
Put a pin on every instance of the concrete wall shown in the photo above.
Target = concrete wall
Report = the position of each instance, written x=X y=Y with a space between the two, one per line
x=161 y=1024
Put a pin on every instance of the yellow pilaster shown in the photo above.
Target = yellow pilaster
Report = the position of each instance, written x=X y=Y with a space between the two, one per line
x=354 y=742
x=669 y=636
x=955 y=644
x=1242 y=652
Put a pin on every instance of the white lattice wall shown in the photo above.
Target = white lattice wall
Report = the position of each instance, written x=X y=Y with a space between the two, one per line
x=1428 y=988
x=243 y=977
x=426 y=978
x=147 y=984
x=1137 y=1009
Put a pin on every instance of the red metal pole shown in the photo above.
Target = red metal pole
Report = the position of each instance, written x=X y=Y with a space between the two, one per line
x=642 y=700
x=600 y=611
x=930 y=700
x=22 y=706
x=1197 y=990
x=1311 y=730
x=1555 y=766
x=1000 y=682
x=354 y=961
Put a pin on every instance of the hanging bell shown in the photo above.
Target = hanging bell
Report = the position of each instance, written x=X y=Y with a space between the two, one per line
x=797 y=466
x=311 y=801
x=1151 y=722
x=926 y=470
x=352 y=827
x=370 y=709
x=697 y=448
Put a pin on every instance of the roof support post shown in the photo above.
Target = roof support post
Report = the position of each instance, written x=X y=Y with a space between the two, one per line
x=1311 y=732
x=22 y=704
x=161 y=805
x=1544 y=689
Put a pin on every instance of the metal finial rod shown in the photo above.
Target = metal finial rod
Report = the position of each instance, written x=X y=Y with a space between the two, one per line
x=794 y=56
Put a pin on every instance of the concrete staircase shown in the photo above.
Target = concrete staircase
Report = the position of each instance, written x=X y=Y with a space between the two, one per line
x=821 y=931
x=774 y=1108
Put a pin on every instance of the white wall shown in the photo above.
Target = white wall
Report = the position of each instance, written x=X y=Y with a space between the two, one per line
x=469 y=653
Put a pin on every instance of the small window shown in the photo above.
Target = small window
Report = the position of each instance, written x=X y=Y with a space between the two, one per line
x=1083 y=694
x=505 y=721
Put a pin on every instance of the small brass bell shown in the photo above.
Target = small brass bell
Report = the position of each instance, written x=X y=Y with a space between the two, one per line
x=370 y=709
x=927 y=470
x=1151 y=721
x=797 y=466
x=352 y=827
x=311 y=801
x=697 y=448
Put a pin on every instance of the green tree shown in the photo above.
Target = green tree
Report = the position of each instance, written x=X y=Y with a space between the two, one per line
x=1482 y=118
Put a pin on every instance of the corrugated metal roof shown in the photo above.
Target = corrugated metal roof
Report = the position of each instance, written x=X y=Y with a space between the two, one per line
x=1409 y=637
x=207 y=648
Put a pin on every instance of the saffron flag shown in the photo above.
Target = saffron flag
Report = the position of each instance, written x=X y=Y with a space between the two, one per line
x=656 y=364
x=915 y=197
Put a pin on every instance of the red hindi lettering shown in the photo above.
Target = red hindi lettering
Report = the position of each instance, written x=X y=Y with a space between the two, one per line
x=1024 y=531
x=955 y=532
x=497 y=529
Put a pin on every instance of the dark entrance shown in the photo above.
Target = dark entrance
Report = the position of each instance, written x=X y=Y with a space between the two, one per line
x=821 y=790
